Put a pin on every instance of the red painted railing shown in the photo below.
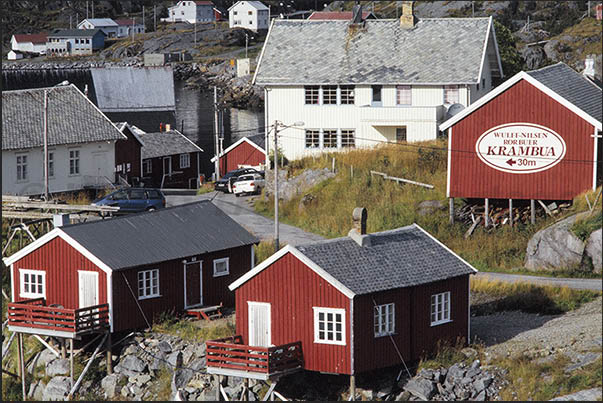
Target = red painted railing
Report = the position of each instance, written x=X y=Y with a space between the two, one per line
x=34 y=313
x=231 y=353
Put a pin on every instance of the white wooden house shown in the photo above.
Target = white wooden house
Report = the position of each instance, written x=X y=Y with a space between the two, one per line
x=81 y=141
x=362 y=84
x=129 y=26
x=192 y=12
x=107 y=25
x=252 y=15
x=29 y=43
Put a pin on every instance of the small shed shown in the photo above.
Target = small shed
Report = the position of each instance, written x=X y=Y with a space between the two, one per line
x=12 y=55
x=535 y=137
x=170 y=159
x=247 y=152
x=357 y=303
x=132 y=268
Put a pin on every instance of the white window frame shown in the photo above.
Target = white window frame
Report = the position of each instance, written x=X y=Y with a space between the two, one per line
x=347 y=134
x=311 y=91
x=452 y=88
x=350 y=96
x=21 y=165
x=218 y=261
x=147 y=166
x=29 y=294
x=76 y=159
x=327 y=94
x=144 y=293
x=440 y=308
x=330 y=134
x=334 y=311
x=380 y=327
x=403 y=89
x=313 y=135
x=51 y=164
x=185 y=160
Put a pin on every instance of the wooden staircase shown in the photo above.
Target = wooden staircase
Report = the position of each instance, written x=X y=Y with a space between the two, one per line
x=208 y=313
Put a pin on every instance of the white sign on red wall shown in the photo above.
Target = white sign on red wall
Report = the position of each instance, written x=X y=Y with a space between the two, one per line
x=520 y=148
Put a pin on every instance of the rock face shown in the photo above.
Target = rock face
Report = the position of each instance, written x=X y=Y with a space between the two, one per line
x=111 y=385
x=57 y=389
x=555 y=248
x=131 y=366
x=588 y=395
x=36 y=391
x=57 y=367
x=594 y=250
x=289 y=188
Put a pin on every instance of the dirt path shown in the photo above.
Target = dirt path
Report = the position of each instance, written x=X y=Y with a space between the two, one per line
x=576 y=283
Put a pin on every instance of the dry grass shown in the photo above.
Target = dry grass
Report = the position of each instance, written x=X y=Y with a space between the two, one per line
x=264 y=250
x=169 y=323
x=207 y=187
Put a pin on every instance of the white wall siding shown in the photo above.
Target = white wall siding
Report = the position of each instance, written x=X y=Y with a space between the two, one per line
x=97 y=161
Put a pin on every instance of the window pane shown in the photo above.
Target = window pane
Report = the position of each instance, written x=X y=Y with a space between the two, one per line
x=347 y=94
x=329 y=94
x=321 y=325
x=348 y=138
x=338 y=337
x=329 y=138
x=338 y=326
x=330 y=326
x=338 y=317
x=400 y=138
x=404 y=95
x=329 y=336
x=376 y=93
x=321 y=316
x=312 y=94
x=40 y=288
x=321 y=335
x=312 y=139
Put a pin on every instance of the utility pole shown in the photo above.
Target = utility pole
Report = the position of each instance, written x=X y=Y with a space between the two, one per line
x=154 y=17
x=143 y=25
x=195 y=32
x=246 y=43
x=276 y=241
x=472 y=9
x=45 y=139
x=92 y=8
x=70 y=22
x=86 y=9
x=217 y=163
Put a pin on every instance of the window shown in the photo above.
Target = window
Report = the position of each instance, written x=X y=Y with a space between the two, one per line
x=384 y=320
x=147 y=166
x=74 y=162
x=250 y=12
x=451 y=94
x=401 y=134
x=50 y=165
x=404 y=95
x=376 y=95
x=33 y=283
x=440 y=308
x=312 y=94
x=221 y=267
x=235 y=12
x=329 y=94
x=185 y=160
x=21 y=167
x=88 y=41
x=347 y=94
x=148 y=284
x=137 y=194
x=329 y=138
x=347 y=138
x=329 y=325
x=237 y=22
x=250 y=22
x=312 y=139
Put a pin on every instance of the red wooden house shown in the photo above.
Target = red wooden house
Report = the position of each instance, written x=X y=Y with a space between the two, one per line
x=245 y=153
x=536 y=136
x=128 y=155
x=131 y=268
x=348 y=305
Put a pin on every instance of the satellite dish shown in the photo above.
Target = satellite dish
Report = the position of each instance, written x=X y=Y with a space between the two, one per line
x=453 y=110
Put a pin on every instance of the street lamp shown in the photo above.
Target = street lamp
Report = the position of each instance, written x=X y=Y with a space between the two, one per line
x=276 y=128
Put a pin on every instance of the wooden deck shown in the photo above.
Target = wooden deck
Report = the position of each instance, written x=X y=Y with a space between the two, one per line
x=230 y=357
x=34 y=317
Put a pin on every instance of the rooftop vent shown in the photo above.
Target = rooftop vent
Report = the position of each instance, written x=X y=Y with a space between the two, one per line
x=358 y=231
x=589 y=68
x=408 y=19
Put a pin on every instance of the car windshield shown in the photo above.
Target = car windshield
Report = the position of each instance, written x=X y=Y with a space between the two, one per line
x=245 y=178
x=231 y=174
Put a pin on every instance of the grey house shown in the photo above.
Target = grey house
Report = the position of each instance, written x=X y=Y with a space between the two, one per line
x=75 y=42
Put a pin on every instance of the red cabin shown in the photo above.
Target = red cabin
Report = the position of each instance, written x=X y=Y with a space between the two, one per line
x=537 y=136
x=245 y=153
x=350 y=304
x=120 y=273
x=128 y=155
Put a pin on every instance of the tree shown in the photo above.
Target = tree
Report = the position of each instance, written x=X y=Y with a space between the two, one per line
x=511 y=60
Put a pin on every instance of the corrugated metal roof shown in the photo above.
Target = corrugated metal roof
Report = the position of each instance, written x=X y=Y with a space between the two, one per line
x=75 y=33
x=101 y=22
x=403 y=257
x=162 y=235
x=572 y=86
x=127 y=89
x=436 y=50
x=159 y=144
x=259 y=140
x=72 y=119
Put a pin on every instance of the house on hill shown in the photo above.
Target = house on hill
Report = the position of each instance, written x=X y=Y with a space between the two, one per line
x=252 y=15
x=107 y=25
x=128 y=269
x=192 y=12
x=248 y=152
x=75 y=42
x=81 y=141
x=355 y=304
x=29 y=43
x=129 y=26
x=362 y=84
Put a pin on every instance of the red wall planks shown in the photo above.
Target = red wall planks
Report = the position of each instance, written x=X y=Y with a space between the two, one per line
x=61 y=263
x=177 y=180
x=293 y=289
x=471 y=178
x=243 y=154
x=128 y=152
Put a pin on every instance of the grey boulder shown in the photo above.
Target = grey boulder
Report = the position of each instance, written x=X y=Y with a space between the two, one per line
x=57 y=389
x=60 y=366
x=131 y=365
x=111 y=385
x=36 y=391
x=593 y=250
x=421 y=388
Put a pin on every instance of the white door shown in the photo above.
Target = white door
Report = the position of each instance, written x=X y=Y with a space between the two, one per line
x=88 y=288
x=100 y=161
x=259 y=324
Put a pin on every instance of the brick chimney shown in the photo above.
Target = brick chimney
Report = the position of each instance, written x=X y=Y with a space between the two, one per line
x=358 y=231
x=408 y=19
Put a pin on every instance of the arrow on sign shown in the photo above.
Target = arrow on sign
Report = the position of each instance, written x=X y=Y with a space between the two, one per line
x=511 y=161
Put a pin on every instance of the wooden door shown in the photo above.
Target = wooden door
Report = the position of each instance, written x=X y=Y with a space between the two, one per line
x=259 y=324
x=88 y=288
x=193 y=285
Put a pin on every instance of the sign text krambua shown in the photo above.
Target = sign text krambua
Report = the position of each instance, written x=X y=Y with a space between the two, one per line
x=520 y=148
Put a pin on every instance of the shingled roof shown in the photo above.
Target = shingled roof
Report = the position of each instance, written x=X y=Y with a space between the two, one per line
x=435 y=51
x=171 y=142
x=72 y=119
x=76 y=33
x=404 y=257
x=572 y=86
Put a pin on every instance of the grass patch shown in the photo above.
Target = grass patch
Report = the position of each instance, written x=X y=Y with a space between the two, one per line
x=207 y=187
x=446 y=355
x=586 y=225
x=264 y=250
x=169 y=323
x=532 y=298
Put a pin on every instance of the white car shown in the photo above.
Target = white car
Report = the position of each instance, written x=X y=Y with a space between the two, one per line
x=248 y=184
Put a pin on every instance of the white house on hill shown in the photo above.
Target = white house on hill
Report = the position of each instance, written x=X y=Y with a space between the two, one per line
x=359 y=85
x=252 y=15
x=107 y=25
x=192 y=12
x=29 y=43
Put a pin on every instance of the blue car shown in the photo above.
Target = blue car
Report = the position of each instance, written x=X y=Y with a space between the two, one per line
x=133 y=200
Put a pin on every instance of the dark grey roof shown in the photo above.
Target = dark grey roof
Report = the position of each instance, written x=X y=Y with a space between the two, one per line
x=72 y=119
x=172 y=142
x=403 y=257
x=436 y=50
x=162 y=235
x=259 y=140
x=572 y=86
x=75 y=33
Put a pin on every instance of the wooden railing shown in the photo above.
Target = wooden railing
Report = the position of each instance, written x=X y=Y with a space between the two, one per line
x=34 y=313
x=231 y=353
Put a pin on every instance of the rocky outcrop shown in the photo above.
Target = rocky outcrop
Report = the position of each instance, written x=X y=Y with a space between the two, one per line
x=59 y=366
x=588 y=395
x=57 y=389
x=288 y=188
x=594 y=250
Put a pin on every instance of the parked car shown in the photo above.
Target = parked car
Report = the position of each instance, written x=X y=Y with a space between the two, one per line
x=133 y=200
x=225 y=183
x=248 y=184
